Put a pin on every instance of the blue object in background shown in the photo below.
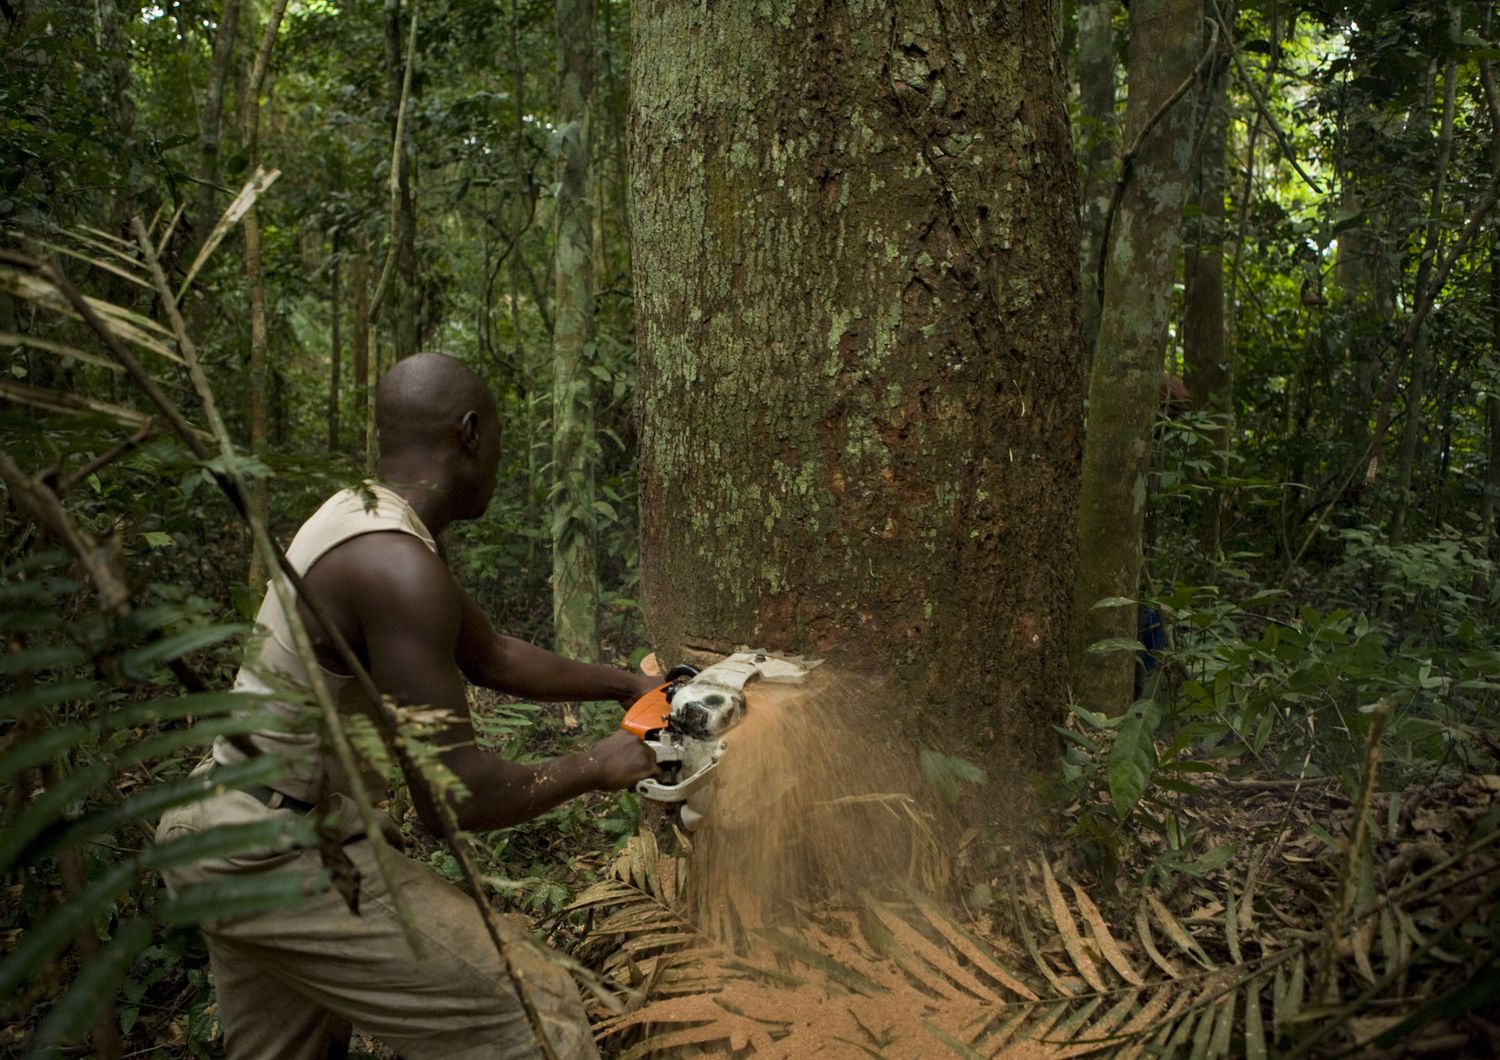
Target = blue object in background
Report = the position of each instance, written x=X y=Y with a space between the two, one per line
x=1152 y=634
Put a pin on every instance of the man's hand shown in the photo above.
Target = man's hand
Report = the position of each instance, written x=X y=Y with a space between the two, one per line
x=639 y=684
x=618 y=761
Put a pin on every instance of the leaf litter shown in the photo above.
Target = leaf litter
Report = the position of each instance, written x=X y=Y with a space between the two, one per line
x=813 y=916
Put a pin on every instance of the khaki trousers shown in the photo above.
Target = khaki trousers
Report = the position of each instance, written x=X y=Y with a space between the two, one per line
x=291 y=982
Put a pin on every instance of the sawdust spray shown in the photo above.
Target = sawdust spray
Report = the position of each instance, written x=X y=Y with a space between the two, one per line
x=813 y=806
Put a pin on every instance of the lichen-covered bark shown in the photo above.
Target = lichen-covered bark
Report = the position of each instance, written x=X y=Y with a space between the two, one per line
x=856 y=298
x=1126 y=372
x=1098 y=138
x=575 y=579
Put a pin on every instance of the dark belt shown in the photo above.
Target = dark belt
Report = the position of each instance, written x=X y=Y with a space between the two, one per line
x=270 y=797
x=276 y=800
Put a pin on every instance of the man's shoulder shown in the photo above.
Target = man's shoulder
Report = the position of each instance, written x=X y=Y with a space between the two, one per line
x=386 y=569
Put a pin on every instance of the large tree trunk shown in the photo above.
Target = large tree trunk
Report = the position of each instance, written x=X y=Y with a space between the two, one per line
x=575 y=576
x=1125 y=378
x=1097 y=140
x=854 y=239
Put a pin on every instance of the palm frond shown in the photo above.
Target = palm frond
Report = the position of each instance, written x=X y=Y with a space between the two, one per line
x=906 y=978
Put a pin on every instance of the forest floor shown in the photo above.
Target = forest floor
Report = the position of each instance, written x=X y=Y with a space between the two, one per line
x=1370 y=953
x=1330 y=923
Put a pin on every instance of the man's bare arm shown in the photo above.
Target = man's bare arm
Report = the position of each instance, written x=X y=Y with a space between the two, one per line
x=508 y=664
x=409 y=612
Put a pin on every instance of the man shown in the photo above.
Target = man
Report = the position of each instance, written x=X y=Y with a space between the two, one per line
x=291 y=982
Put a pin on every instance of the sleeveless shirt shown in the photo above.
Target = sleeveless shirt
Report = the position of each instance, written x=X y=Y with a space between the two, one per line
x=271 y=664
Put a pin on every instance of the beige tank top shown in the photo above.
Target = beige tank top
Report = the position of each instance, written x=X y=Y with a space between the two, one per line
x=271 y=664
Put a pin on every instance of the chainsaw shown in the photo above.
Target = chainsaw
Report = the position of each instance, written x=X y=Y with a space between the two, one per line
x=684 y=722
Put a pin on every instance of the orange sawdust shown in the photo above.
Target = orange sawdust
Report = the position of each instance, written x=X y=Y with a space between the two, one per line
x=809 y=807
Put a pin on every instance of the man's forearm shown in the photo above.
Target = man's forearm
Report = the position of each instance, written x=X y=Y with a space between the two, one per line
x=523 y=669
x=503 y=793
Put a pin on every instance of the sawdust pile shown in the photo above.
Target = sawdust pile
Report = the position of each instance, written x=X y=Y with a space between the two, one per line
x=814 y=803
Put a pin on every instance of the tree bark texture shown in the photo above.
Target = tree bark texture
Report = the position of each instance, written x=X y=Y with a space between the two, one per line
x=212 y=120
x=1125 y=378
x=854 y=246
x=575 y=576
x=1098 y=140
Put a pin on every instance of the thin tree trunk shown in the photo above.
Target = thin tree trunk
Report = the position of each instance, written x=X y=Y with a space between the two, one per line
x=336 y=348
x=1411 y=431
x=360 y=278
x=1125 y=380
x=1491 y=496
x=1411 y=434
x=404 y=305
x=575 y=577
x=525 y=363
x=1098 y=137
x=255 y=282
x=212 y=120
x=857 y=316
x=1205 y=371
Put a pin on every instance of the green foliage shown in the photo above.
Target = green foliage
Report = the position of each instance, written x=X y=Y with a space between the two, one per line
x=946 y=772
x=92 y=753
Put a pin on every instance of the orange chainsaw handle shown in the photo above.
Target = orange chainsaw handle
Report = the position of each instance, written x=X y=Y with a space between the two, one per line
x=649 y=713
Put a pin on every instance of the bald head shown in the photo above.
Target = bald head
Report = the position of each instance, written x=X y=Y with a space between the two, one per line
x=423 y=399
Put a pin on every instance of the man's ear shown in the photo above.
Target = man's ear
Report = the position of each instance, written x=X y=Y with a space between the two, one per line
x=468 y=431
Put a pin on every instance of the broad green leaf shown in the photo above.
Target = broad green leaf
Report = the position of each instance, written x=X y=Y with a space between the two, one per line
x=1132 y=759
